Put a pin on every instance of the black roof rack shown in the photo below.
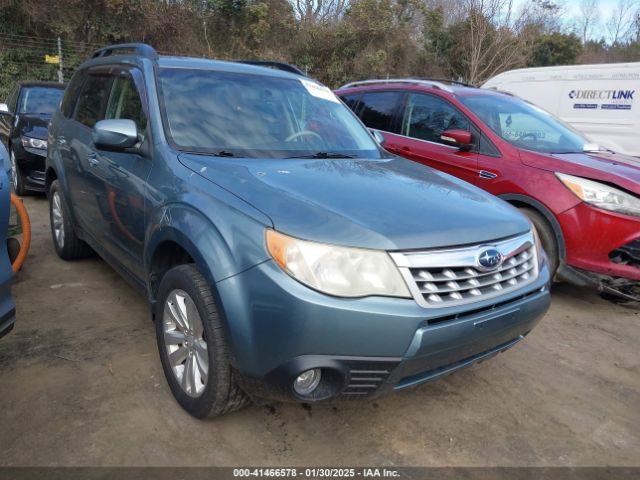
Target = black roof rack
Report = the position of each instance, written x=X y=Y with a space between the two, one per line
x=277 y=65
x=142 y=49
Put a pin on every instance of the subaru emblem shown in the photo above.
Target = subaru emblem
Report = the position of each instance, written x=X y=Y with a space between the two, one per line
x=489 y=259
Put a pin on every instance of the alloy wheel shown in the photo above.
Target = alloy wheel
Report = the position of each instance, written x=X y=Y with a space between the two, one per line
x=185 y=342
x=14 y=172
x=57 y=219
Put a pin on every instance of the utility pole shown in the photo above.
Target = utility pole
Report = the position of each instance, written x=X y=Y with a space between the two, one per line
x=60 y=71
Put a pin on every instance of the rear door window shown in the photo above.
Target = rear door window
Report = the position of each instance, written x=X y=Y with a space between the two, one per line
x=378 y=109
x=71 y=95
x=93 y=100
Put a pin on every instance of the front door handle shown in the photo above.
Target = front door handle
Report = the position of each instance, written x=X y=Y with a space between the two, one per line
x=93 y=159
x=487 y=175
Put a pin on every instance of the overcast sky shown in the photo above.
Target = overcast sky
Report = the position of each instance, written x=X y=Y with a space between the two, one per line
x=572 y=9
x=606 y=6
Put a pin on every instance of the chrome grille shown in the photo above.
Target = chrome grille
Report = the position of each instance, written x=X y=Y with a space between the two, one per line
x=442 y=278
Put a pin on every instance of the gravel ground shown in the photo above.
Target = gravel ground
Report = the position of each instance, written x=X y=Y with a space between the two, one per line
x=81 y=385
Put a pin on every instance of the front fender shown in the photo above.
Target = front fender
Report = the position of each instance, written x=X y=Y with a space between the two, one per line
x=542 y=208
x=219 y=252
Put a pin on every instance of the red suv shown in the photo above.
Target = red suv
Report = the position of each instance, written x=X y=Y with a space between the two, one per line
x=583 y=200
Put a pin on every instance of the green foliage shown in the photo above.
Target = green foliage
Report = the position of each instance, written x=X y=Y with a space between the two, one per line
x=555 y=49
x=369 y=38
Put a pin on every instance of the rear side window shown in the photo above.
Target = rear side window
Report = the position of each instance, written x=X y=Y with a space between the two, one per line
x=377 y=109
x=93 y=99
x=71 y=95
x=427 y=116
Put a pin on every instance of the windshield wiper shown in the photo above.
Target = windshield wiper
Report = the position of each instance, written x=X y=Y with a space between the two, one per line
x=324 y=155
x=223 y=153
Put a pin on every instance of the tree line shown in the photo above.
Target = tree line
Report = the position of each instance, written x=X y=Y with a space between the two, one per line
x=333 y=40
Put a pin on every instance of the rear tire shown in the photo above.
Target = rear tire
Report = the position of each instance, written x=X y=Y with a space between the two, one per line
x=67 y=244
x=193 y=350
x=547 y=237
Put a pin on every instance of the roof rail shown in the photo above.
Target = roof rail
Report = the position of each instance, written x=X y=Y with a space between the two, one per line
x=412 y=81
x=142 y=49
x=447 y=80
x=285 y=67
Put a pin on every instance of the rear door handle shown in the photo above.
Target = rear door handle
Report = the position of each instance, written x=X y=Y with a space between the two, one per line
x=93 y=159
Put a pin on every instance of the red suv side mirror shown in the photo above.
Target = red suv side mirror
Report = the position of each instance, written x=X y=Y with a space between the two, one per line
x=457 y=138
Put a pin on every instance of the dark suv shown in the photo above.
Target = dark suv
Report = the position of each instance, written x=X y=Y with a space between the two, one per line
x=285 y=255
x=23 y=130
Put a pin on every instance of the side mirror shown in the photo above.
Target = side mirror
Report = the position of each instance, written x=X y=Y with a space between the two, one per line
x=4 y=108
x=592 y=148
x=457 y=138
x=377 y=135
x=115 y=134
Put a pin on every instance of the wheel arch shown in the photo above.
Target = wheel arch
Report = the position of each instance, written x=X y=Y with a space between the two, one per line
x=520 y=201
x=49 y=176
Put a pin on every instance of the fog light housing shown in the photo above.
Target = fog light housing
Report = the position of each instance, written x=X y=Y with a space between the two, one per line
x=307 y=382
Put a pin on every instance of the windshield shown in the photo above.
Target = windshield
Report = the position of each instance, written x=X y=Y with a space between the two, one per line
x=40 y=100
x=524 y=125
x=238 y=114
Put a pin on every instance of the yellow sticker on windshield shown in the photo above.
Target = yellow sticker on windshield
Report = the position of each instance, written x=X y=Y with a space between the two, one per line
x=319 y=91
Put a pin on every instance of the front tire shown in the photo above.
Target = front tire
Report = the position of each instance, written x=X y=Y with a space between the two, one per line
x=193 y=350
x=547 y=237
x=17 y=180
x=67 y=244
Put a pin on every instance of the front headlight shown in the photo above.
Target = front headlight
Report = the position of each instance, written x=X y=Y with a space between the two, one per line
x=601 y=195
x=34 y=143
x=339 y=271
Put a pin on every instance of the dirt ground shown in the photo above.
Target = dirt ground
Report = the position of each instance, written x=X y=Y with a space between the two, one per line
x=81 y=385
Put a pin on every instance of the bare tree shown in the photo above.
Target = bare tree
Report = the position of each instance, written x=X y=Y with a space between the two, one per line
x=314 y=11
x=490 y=44
x=587 y=20
x=621 y=23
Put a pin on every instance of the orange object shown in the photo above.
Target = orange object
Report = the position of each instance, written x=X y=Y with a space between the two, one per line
x=26 y=232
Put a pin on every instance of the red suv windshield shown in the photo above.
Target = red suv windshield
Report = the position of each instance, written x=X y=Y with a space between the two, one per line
x=524 y=125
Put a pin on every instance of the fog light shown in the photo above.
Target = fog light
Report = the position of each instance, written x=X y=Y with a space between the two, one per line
x=307 y=381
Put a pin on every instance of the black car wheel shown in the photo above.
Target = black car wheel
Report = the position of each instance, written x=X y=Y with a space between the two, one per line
x=192 y=346
x=547 y=237
x=67 y=244
x=17 y=180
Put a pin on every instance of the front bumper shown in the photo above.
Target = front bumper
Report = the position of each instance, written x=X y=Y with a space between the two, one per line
x=31 y=163
x=594 y=236
x=279 y=328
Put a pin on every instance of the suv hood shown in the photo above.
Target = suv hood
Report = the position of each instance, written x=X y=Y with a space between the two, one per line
x=33 y=124
x=390 y=204
x=614 y=168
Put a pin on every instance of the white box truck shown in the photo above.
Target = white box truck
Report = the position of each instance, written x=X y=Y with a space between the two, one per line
x=600 y=101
